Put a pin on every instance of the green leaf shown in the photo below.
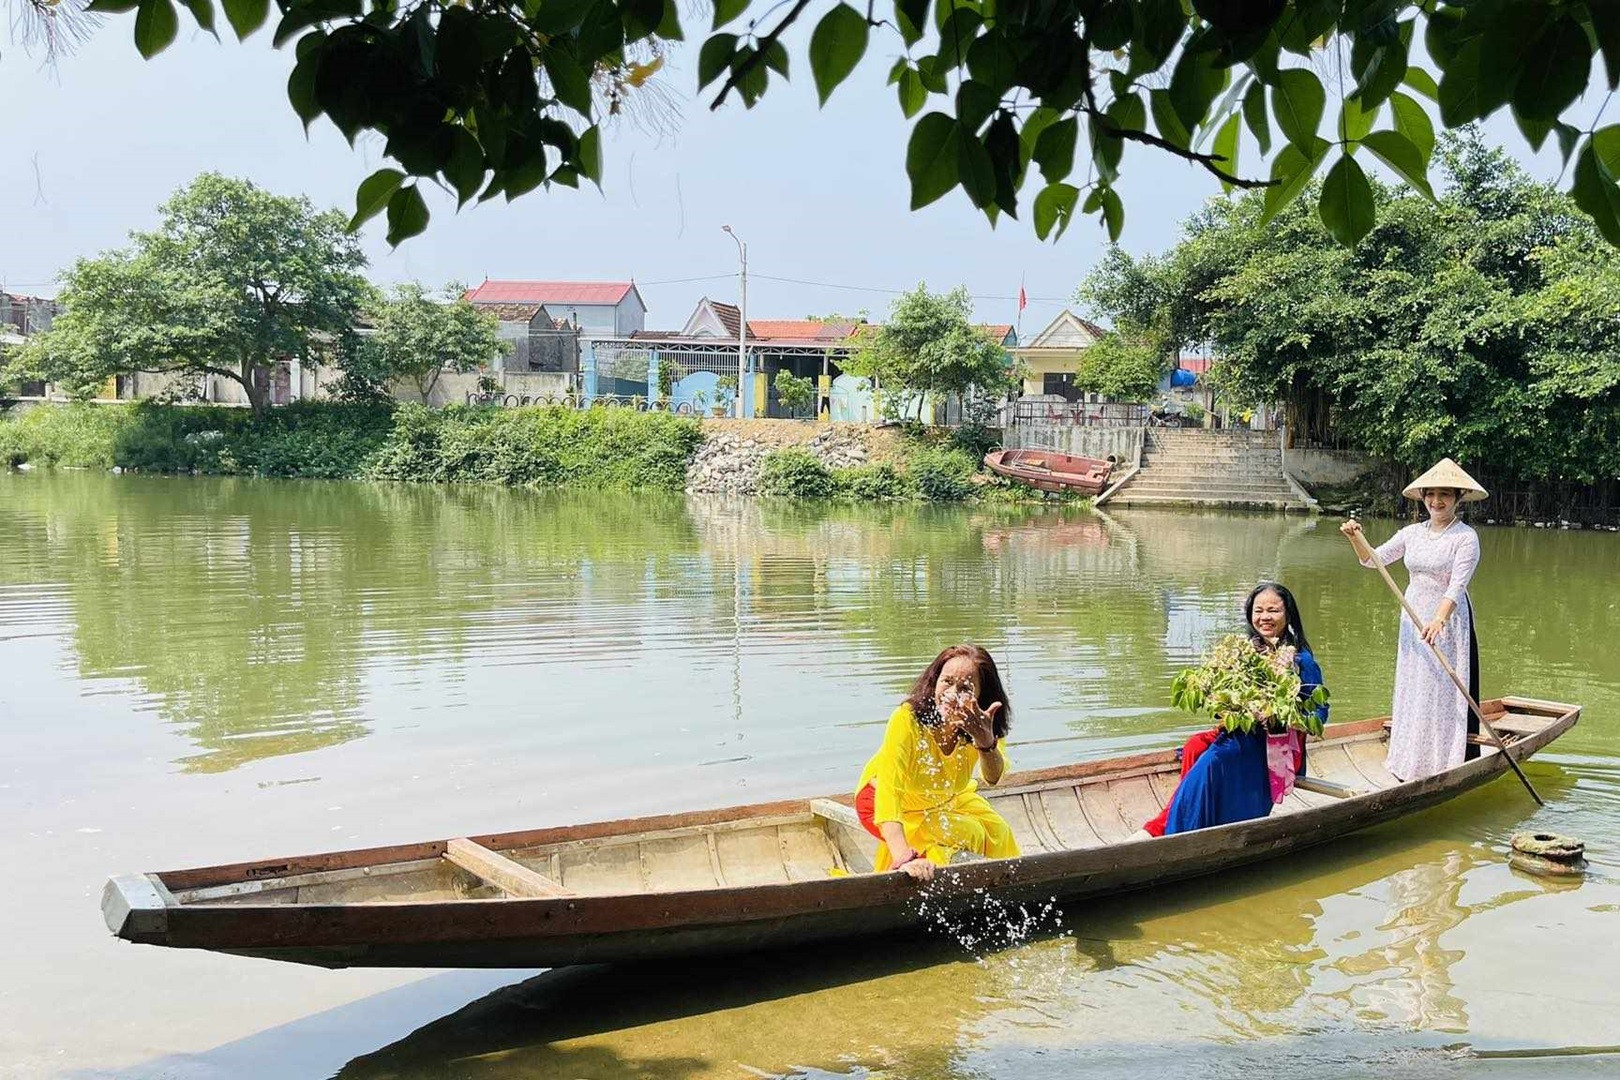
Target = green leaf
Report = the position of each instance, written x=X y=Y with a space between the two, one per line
x=407 y=215
x=1568 y=136
x=1159 y=26
x=1292 y=169
x=1555 y=71
x=203 y=12
x=590 y=154
x=568 y=81
x=976 y=171
x=111 y=7
x=1467 y=92
x=1347 y=202
x=776 y=58
x=464 y=168
x=974 y=104
x=714 y=59
x=1535 y=132
x=933 y=158
x=301 y=88
x=932 y=73
x=1054 y=207
x=1054 y=149
x=1412 y=120
x=1597 y=194
x=912 y=18
x=836 y=47
x=1113 y=214
x=725 y=11
x=1606 y=28
x=1422 y=82
x=1165 y=118
x=156 y=24
x=1007 y=158
x=1226 y=147
x=1128 y=113
x=373 y=195
x=913 y=94
x=1254 y=114
x=1397 y=151
x=1297 y=101
x=1194 y=86
x=1379 y=70
x=1354 y=122
x=246 y=16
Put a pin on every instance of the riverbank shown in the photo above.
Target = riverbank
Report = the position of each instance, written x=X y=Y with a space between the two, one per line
x=617 y=449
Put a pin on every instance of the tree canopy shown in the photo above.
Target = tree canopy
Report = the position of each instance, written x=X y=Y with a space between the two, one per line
x=930 y=345
x=499 y=97
x=233 y=280
x=418 y=337
x=1485 y=326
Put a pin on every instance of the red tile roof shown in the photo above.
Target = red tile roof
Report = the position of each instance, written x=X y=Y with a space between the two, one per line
x=800 y=329
x=511 y=312
x=999 y=331
x=729 y=317
x=550 y=292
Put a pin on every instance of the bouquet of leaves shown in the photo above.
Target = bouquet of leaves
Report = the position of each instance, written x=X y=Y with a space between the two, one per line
x=1243 y=688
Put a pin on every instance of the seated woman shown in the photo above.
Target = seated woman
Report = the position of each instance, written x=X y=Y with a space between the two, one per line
x=1244 y=788
x=917 y=794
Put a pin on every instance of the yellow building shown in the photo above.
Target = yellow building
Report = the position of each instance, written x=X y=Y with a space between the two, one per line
x=1051 y=357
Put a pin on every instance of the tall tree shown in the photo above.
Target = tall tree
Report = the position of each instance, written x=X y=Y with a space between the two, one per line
x=1486 y=327
x=418 y=337
x=502 y=96
x=233 y=280
x=931 y=346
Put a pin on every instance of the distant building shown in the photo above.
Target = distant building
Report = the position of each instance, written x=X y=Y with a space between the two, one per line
x=21 y=317
x=600 y=309
x=1052 y=357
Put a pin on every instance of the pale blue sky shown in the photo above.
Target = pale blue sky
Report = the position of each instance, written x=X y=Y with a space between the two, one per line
x=88 y=150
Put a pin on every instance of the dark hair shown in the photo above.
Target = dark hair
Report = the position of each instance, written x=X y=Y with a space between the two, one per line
x=1294 y=634
x=921 y=698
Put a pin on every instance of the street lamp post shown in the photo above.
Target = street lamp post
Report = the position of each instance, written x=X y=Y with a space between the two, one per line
x=742 y=317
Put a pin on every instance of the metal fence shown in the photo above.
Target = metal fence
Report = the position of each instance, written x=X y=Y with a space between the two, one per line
x=1055 y=411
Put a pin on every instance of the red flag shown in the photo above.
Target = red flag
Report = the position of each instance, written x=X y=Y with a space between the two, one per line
x=1023 y=301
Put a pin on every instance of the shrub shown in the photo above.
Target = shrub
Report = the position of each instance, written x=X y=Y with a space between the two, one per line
x=976 y=440
x=873 y=483
x=796 y=473
x=942 y=474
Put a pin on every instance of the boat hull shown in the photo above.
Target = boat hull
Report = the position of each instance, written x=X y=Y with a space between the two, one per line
x=553 y=931
x=1051 y=471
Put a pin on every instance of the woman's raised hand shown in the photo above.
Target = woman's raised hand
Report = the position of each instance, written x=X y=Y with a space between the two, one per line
x=1351 y=528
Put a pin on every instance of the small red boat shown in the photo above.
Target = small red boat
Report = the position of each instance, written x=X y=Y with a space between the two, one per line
x=1051 y=471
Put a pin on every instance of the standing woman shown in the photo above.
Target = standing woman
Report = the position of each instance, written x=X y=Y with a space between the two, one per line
x=1431 y=721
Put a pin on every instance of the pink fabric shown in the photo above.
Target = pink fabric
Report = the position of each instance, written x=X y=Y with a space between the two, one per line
x=1282 y=762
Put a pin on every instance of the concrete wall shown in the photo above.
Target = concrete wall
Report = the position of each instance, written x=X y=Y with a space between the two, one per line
x=1332 y=467
x=454 y=388
x=1124 y=444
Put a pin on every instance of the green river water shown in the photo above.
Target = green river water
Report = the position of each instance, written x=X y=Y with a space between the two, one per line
x=196 y=671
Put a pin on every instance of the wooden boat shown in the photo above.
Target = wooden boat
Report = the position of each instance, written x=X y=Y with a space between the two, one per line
x=761 y=876
x=1051 y=471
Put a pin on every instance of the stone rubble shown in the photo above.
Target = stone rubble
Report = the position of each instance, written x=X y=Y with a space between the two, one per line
x=729 y=464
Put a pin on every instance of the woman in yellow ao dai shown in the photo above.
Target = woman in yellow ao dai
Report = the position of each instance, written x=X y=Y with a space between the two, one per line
x=918 y=793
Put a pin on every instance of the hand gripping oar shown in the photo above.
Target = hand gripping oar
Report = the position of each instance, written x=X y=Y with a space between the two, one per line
x=1366 y=554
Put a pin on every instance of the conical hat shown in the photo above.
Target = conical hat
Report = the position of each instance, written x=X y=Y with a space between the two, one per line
x=1446 y=474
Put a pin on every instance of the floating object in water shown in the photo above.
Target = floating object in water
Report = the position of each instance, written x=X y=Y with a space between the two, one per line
x=1548 y=854
x=755 y=877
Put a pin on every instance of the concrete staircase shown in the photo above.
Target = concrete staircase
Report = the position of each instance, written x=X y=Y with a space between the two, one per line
x=1194 y=467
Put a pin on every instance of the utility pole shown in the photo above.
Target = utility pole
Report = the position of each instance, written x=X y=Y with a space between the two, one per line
x=742 y=317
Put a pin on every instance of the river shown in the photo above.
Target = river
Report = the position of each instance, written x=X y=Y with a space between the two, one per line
x=199 y=671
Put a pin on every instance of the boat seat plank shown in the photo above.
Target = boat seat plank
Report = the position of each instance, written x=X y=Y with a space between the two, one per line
x=512 y=878
x=1062 y=806
x=1036 y=810
x=1097 y=803
x=837 y=812
x=751 y=857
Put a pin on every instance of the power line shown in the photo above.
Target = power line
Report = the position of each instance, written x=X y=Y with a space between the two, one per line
x=902 y=292
x=686 y=280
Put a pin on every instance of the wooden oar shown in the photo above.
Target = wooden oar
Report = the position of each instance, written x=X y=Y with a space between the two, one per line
x=1366 y=554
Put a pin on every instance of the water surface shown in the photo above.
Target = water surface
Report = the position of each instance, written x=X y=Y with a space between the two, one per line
x=200 y=671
